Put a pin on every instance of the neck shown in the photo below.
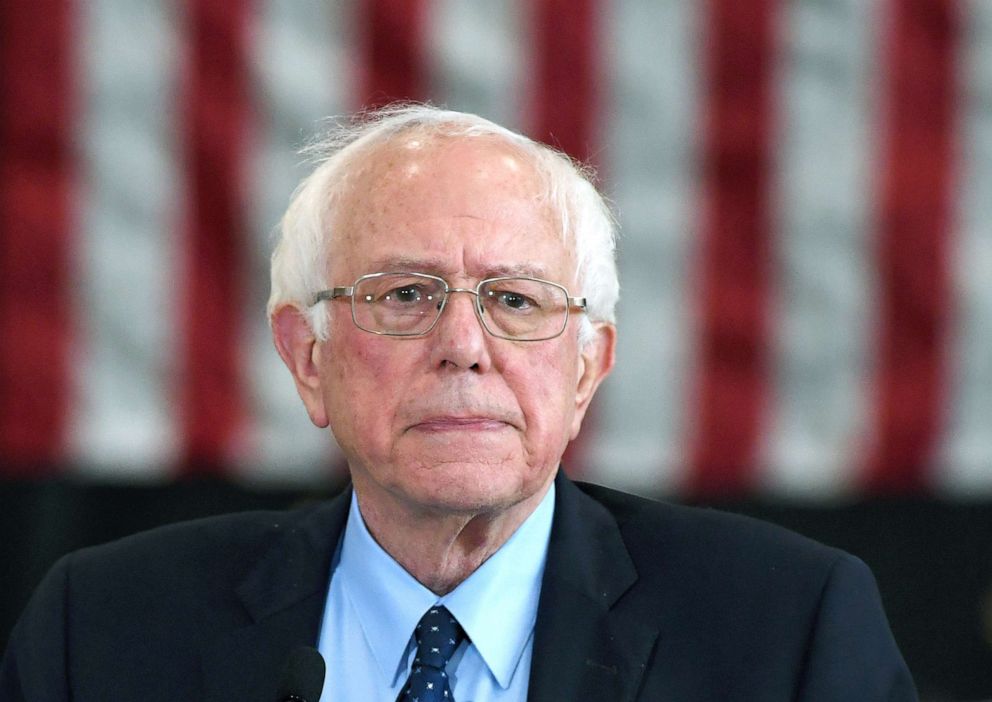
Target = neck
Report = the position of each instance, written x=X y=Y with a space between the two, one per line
x=438 y=548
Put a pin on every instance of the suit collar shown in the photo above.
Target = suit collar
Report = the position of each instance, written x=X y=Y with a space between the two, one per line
x=283 y=595
x=585 y=646
x=297 y=562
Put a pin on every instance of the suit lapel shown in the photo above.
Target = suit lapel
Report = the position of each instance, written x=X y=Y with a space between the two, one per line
x=283 y=594
x=584 y=647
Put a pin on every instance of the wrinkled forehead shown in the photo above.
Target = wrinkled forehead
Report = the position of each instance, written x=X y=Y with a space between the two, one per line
x=421 y=194
x=416 y=174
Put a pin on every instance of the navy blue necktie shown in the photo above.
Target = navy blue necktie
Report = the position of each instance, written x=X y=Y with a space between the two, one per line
x=438 y=635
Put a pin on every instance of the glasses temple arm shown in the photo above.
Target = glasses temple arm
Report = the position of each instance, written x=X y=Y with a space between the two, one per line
x=333 y=294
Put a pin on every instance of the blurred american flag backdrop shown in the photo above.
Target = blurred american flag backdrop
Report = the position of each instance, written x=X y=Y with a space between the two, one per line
x=804 y=188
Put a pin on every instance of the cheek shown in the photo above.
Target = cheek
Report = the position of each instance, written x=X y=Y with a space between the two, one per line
x=365 y=369
x=546 y=391
x=363 y=380
x=367 y=387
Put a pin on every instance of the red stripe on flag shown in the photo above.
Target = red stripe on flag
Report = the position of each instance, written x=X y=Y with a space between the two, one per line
x=913 y=247
x=217 y=114
x=735 y=248
x=394 y=65
x=36 y=165
x=565 y=110
x=565 y=105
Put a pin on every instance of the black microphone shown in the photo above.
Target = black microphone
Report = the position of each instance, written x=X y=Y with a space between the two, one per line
x=303 y=676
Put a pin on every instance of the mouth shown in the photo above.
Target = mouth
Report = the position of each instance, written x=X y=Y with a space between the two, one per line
x=445 y=424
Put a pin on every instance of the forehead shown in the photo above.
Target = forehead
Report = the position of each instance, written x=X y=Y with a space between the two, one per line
x=460 y=201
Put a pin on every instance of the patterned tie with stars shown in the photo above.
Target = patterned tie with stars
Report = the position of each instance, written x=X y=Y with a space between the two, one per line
x=438 y=635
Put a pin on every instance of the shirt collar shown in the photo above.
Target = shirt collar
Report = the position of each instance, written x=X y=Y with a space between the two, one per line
x=496 y=605
x=388 y=601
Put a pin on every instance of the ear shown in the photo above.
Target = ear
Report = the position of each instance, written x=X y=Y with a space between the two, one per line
x=298 y=347
x=596 y=360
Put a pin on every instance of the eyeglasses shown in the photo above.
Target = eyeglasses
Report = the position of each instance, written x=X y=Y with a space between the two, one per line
x=409 y=304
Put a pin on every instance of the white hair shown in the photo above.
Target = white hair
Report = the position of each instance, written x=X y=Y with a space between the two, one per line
x=301 y=255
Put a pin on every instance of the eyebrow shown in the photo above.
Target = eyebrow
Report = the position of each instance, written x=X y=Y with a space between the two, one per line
x=436 y=266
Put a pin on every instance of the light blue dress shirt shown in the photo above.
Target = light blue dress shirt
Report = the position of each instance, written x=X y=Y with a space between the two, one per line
x=373 y=605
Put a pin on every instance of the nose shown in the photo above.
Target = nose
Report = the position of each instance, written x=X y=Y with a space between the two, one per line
x=459 y=339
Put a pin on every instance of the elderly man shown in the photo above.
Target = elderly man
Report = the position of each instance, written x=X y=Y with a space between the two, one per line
x=443 y=294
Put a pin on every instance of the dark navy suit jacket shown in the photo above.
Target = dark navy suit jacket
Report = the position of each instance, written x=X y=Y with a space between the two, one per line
x=640 y=601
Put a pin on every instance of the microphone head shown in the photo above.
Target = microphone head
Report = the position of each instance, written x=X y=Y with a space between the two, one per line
x=303 y=676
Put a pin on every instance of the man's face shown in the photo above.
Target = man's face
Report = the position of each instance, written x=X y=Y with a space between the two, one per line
x=458 y=420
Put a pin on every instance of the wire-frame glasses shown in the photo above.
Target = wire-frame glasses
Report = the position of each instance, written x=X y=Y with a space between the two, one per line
x=410 y=304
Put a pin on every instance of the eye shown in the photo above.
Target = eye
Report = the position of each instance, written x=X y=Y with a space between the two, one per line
x=399 y=293
x=512 y=300
x=405 y=294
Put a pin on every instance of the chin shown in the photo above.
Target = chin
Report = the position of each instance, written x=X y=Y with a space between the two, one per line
x=469 y=487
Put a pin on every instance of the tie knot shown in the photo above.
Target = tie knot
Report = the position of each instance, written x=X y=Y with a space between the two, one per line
x=438 y=635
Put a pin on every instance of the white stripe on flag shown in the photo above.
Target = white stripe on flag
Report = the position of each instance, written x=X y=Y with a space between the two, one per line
x=301 y=77
x=823 y=247
x=648 y=121
x=475 y=58
x=966 y=454
x=122 y=418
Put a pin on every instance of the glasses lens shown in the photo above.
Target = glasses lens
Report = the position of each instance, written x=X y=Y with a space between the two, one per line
x=524 y=308
x=404 y=304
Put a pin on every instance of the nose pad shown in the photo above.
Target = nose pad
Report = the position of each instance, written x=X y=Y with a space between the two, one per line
x=476 y=304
